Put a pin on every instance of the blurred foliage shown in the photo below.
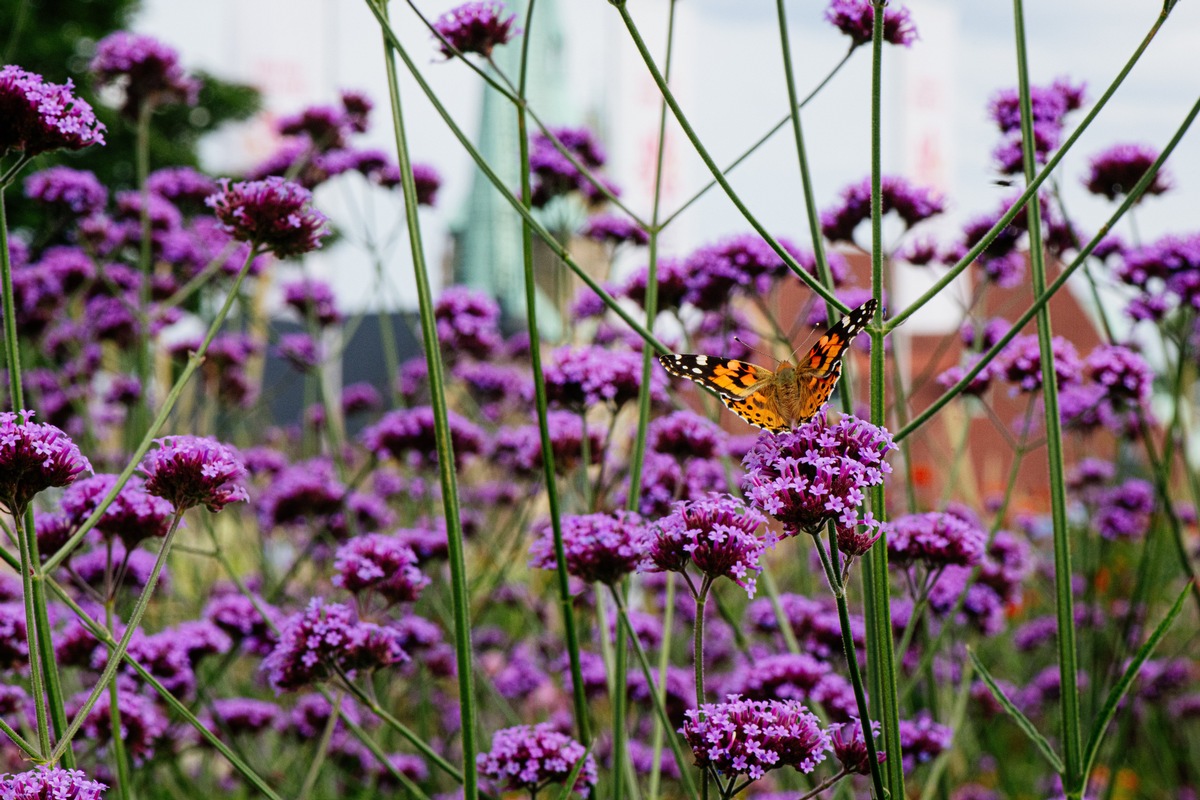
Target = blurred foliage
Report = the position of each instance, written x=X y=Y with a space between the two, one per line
x=56 y=38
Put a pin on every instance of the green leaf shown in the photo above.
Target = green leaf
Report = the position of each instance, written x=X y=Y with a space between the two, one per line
x=1022 y=721
x=1109 y=710
x=569 y=783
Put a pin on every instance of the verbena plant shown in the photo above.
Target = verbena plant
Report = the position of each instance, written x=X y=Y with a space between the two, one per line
x=530 y=567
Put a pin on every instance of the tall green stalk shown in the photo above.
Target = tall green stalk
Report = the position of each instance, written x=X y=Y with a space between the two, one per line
x=445 y=448
x=1064 y=602
x=875 y=565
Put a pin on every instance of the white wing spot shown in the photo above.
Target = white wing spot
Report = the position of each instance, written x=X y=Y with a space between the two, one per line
x=697 y=370
x=702 y=360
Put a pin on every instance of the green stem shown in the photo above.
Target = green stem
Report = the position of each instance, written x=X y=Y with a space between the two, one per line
x=114 y=658
x=124 y=790
x=12 y=345
x=1031 y=186
x=875 y=566
x=28 y=569
x=141 y=411
x=445 y=449
x=314 y=767
x=698 y=638
x=1064 y=601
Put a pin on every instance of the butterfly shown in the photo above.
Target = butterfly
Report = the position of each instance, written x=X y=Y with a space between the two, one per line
x=791 y=394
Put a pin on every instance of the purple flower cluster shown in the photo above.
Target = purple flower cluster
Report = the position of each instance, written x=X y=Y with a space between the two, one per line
x=194 y=470
x=578 y=378
x=922 y=739
x=553 y=173
x=599 y=548
x=850 y=746
x=529 y=757
x=1116 y=392
x=684 y=435
x=749 y=737
x=325 y=639
x=379 y=564
x=856 y=19
x=303 y=492
x=313 y=300
x=50 y=783
x=37 y=116
x=913 y=204
x=475 y=28
x=468 y=323
x=272 y=213
x=740 y=263
x=1115 y=171
x=146 y=69
x=1005 y=566
x=1168 y=273
x=935 y=539
x=300 y=350
x=143 y=729
x=717 y=534
x=69 y=191
x=1125 y=511
x=817 y=473
x=614 y=230
x=1021 y=363
x=814 y=623
x=34 y=457
x=132 y=516
x=248 y=622
x=408 y=434
x=1050 y=105
x=672 y=276
x=519 y=450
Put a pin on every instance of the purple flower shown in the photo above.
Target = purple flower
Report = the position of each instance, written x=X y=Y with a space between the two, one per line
x=529 y=757
x=468 y=322
x=475 y=28
x=1010 y=156
x=323 y=639
x=143 y=724
x=785 y=676
x=301 y=351
x=495 y=387
x=980 y=337
x=746 y=737
x=145 y=68
x=37 y=117
x=738 y=263
x=935 y=539
x=238 y=715
x=1021 y=363
x=672 y=277
x=599 y=548
x=313 y=300
x=325 y=126
x=913 y=204
x=408 y=434
x=50 y=783
x=194 y=470
x=922 y=739
x=519 y=450
x=1049 y=104
x=1125 y=511
x=856 y=19
x=14 y=646
x=71 y=191
x=1115 y=171
x=554 y=174
x=181 y=184
x=850 y=746
x=247 y=622
x=33 y=457
x=427 y=182
x=581 y=377
x=814 y=623
x=716 y=533
x=685 y=434
x=272 y=213
x=95 y=568
x=301 y=493
x=360 y=397
x=817 y=473
x=1126 y=382
x=614 y=230
x=380 y=564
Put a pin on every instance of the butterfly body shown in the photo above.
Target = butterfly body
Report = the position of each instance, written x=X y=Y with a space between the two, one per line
x=776 y=400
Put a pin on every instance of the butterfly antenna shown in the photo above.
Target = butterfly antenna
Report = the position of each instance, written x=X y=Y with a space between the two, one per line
x=739 y=340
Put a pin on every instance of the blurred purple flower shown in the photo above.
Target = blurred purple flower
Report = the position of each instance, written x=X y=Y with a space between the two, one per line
x=146 y=69
x=314 y=300
x=1125 y=511
x=1021 y=363
x=244 y=715
x=519 y=450
x=672 y=277
x=1115 y=171
x=598 y=548
x=850 y=746
x=303 y=492
x=323 y=125
x=34 y=457
x=468 y=323
x=273 y=213
x=72 y=191
x=529 y=757
x=935 y=539
x=14 y=644
x=578 y=378
x=913 y=204
x=553 y=173
x=132 y=516
x=922 y=739
x=1049 y=104
x=476 y=27
x=300 y=350
x=194 y=470
x=408 y=435
x=738 y=263
x=360 y=397
x=247 y=622
x=685 y=434
x=614 y=230
x=323 y=639
x=744 y=737
x=856 y=19
x=181 y=184
x=144 y=725
x=37 y=116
